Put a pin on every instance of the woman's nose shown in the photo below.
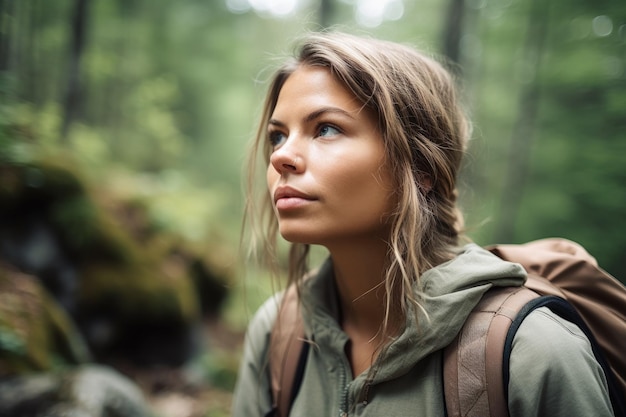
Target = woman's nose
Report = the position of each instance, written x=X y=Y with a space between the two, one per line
x=287 y=159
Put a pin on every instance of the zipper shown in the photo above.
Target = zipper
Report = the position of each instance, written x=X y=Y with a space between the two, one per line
x=343 y=405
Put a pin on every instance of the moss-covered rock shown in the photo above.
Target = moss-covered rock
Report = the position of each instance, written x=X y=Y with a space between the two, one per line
x=121 y=276
x=35 y=332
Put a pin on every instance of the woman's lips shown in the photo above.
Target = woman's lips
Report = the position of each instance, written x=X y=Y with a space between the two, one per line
x=286 y=198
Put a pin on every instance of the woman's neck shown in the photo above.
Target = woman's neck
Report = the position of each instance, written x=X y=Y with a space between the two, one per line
x=360 y=278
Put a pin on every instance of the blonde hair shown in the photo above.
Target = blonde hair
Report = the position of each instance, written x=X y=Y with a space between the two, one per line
x=425 y=133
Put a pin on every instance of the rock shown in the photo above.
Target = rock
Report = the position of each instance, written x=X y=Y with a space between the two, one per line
x=35 y=332
x=86 y=391
x=136 y=292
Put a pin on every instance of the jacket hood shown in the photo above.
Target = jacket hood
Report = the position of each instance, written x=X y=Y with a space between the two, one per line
x=449 y=293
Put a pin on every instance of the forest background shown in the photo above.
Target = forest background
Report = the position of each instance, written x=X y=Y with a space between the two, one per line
x=157 y=100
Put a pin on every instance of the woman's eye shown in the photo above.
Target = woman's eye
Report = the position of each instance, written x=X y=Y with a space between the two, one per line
x=328 y=130
x=276 y=138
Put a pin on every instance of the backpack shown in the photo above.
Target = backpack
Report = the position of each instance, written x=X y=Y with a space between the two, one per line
x=561 y=276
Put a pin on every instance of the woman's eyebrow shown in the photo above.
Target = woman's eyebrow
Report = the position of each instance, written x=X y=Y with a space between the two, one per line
x=322 y=111
x=316 y=115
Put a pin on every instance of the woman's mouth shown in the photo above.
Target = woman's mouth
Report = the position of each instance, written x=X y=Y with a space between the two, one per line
x=286 y=198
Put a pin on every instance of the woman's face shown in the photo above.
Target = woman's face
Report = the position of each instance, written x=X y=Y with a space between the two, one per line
x=327 y=176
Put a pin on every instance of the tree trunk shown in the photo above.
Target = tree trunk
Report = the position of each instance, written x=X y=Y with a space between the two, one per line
x=77 y=45
x=6 y=9
x=524 y=128
x=326 y=13
x=453 y=31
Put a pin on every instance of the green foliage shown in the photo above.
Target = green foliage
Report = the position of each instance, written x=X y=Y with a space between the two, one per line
x=574 y=187
x=171 y=93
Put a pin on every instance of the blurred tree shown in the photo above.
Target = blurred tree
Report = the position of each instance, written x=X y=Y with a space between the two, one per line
x=7 y=9
x=326 y=13
x=453 y=29
x=569 y=179
x=518 y=161
x=76 y=47
x=578 y=175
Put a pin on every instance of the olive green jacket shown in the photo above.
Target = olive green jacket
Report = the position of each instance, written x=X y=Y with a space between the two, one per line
x=552 y=368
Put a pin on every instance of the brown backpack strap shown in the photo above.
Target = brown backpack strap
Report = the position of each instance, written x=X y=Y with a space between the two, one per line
x=473 y=378
x=286 y=343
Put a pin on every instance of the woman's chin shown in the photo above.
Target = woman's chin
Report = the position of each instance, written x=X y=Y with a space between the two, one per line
x=297 y=236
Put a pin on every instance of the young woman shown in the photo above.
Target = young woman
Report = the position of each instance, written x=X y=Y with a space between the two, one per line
x=363 y=141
